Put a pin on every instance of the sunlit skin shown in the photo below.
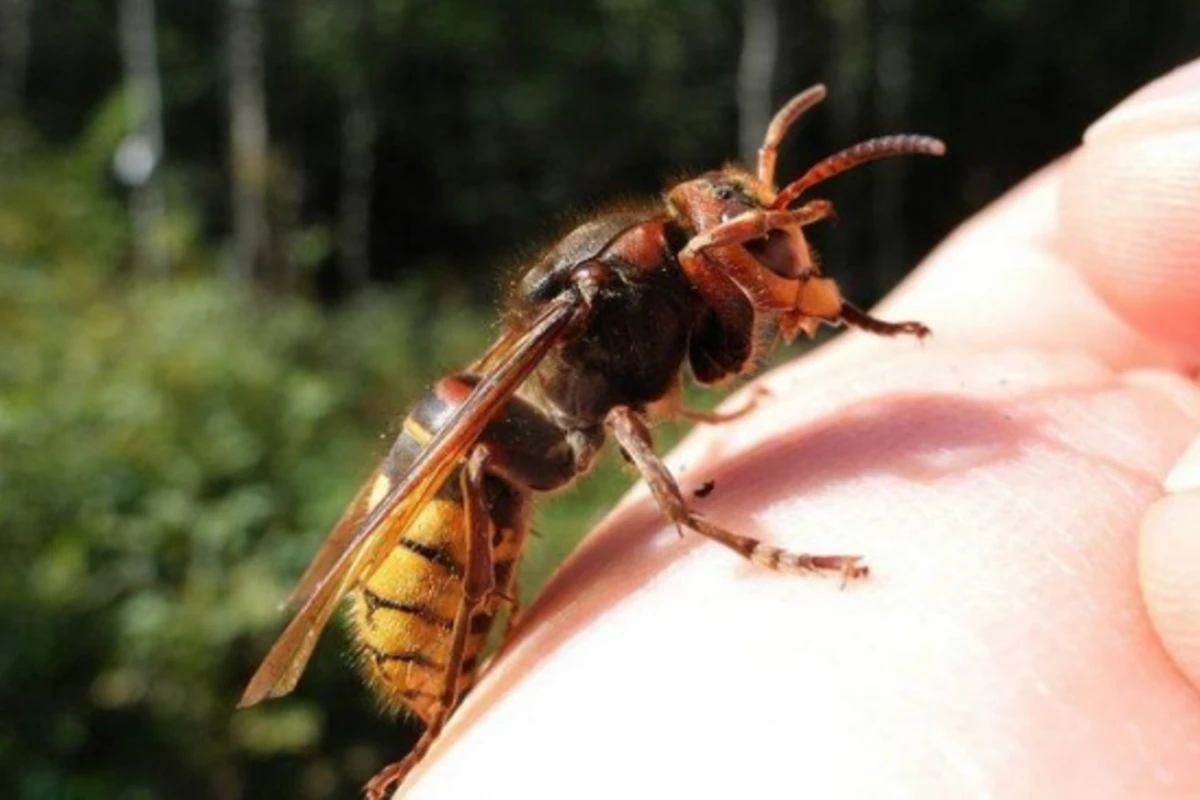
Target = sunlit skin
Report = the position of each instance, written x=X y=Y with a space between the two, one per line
x=1032 y=620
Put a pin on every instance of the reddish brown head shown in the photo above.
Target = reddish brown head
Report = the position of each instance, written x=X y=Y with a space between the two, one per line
x=717 y=198
x=743 y=226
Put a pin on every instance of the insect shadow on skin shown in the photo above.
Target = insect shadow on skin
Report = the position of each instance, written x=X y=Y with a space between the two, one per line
x=596 y=333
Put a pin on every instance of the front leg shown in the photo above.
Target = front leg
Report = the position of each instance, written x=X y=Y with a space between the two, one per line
x=757 y=224
x=634 y=438
x=734 y=266
x=803 y=300
x=672 y=406
x=855 y=317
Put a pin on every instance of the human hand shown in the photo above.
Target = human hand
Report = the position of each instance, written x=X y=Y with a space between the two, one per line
x=1031 y=625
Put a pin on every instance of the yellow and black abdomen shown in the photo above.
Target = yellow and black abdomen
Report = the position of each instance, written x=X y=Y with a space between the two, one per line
x=403 y=613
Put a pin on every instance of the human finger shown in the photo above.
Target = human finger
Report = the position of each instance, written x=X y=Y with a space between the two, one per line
x=1130 y=209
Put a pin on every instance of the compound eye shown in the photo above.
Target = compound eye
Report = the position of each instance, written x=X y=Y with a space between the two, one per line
x=734 y=203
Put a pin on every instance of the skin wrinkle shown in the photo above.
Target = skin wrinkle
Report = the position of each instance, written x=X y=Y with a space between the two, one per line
x=1122 y=238
x=1139 y=257
x=1060 y=435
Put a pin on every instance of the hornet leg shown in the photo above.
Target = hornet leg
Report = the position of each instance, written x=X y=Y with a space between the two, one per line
x=634 y=438
x=478 y=586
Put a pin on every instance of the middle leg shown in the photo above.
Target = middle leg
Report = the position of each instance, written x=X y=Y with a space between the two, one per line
x=672 y=406
x=634 y=438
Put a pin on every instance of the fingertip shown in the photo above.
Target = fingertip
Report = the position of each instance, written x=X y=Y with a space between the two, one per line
x=1130 y=200
x=1170 y=577
x=1174 y=86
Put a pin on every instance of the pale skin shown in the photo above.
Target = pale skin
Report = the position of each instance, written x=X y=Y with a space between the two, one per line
x=1031 y=625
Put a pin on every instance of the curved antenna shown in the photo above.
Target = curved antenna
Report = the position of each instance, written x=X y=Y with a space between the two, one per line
x=904 y=144
x=782 y=121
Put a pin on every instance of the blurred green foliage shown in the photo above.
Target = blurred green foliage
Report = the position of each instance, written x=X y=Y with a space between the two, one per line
x=173 y=451
x=172 y=455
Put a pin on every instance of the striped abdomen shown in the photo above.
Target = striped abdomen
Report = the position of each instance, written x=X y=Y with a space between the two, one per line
x=403 y=613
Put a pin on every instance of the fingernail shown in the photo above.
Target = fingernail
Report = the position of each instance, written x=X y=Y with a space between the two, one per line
x=1171 y=102
x=1185 y=475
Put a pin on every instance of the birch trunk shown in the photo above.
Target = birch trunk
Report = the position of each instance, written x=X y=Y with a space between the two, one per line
x=247 y=139
x=140 y=153
x=893 y=79
x=756 y=71
x=849 y=77
x=358 y=157
x=14 y=54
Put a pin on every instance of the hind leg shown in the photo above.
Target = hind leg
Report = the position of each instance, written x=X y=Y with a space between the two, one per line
x=478 y=588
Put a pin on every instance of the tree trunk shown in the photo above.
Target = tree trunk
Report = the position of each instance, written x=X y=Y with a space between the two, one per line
x=358 y=156
x=849 y=77
x=893 y=79
x=140 y=153
x=14 y=54
x=756 y=69
x=247 y=139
